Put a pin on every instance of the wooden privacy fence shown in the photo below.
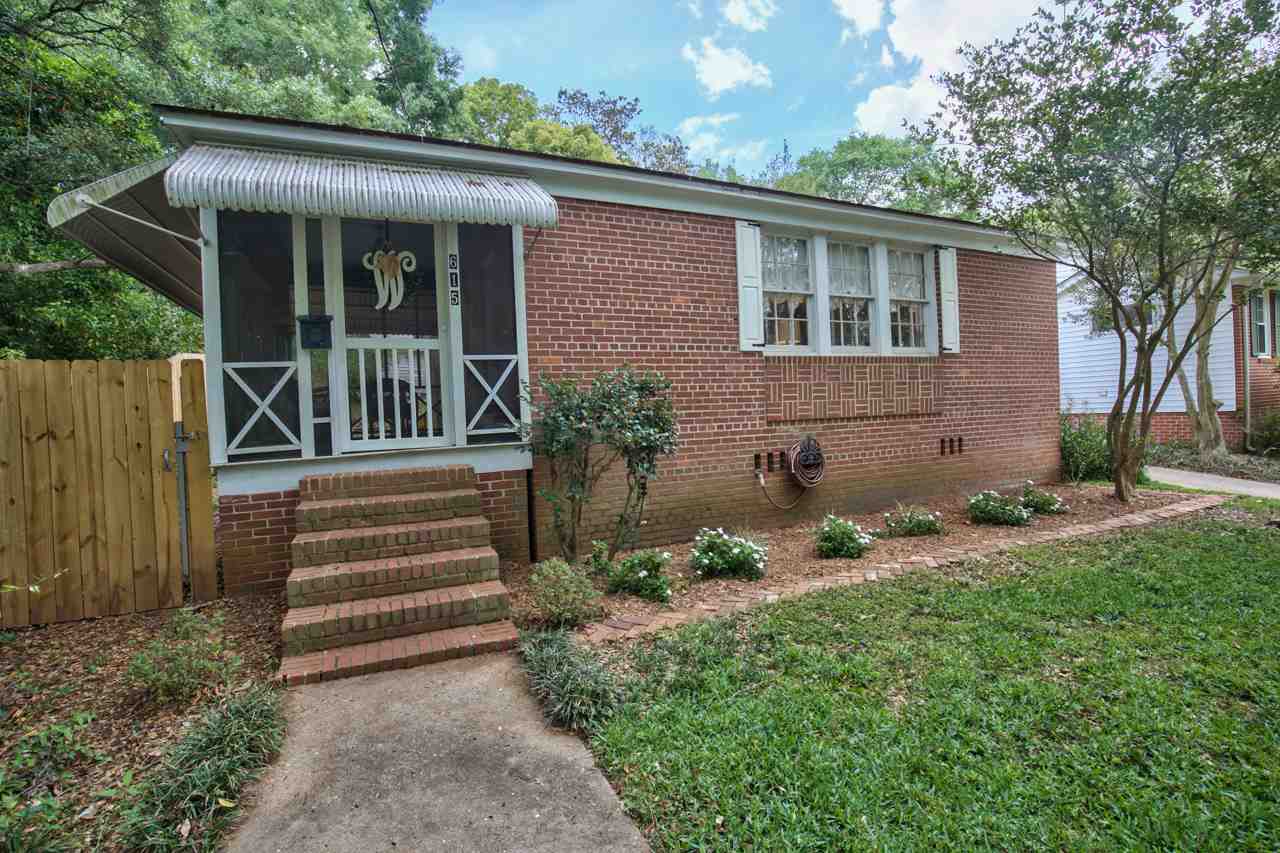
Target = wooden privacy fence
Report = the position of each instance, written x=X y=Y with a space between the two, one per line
x=90 y=489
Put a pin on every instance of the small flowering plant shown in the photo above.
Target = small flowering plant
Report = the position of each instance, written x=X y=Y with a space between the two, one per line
x=911 y=521
x=994 y=508
x=840 y=538
x=643 y=575
x=599 y=563
x=1042 y=502
x=719 y=554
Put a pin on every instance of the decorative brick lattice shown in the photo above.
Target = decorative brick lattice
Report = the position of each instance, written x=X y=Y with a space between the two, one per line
x=841 y=388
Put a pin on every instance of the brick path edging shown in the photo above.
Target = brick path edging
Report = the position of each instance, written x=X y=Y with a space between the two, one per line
x=631 y=627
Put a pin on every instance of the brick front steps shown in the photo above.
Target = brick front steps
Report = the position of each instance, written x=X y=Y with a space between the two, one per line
x=391 y=569
x=632 y=627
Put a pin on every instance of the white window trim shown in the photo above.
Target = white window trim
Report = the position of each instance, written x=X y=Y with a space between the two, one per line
x=930 y=302
x=820 y=296
x=873 y=296
x=1263 y=351
x=815 y=313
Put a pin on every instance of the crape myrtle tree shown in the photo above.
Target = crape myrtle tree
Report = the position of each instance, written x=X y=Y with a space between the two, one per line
x=1134 y=142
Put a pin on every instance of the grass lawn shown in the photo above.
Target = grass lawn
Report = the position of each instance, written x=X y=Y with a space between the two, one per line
x=1119 y=694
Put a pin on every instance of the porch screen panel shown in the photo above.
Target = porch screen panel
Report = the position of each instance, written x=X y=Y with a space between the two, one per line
x=260 y=384
x=395 y=392
x=491 y=373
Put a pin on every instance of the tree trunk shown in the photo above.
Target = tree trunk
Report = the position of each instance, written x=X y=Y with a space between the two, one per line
x=1207 y=424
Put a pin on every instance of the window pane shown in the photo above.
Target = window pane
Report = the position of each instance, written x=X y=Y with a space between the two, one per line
x=906 y=324
x=409 y=276
x=786 y=320
x=906 y=275
x=850 y=322
x=849 y=267
x=786 y=264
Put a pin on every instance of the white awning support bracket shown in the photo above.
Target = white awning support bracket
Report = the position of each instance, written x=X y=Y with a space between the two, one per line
x=84 y=201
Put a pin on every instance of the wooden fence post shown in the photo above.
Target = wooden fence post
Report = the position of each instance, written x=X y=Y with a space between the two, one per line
x=14 y=605
x=200 y=497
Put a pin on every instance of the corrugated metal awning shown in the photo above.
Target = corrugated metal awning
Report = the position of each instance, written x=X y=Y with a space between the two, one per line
x=126 y=220
x=316 y=185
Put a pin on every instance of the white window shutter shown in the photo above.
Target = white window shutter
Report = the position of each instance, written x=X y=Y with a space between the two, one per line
x=750 y=297
x=950 y=284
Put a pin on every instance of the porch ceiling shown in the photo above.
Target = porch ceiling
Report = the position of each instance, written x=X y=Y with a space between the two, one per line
x=269 y=181
x=162 y=261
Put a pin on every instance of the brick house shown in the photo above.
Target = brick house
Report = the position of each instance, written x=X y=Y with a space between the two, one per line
x=374 y=302
x=1244 y=361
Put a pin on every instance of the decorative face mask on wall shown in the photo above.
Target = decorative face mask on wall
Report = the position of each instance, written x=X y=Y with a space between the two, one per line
x=388 y=267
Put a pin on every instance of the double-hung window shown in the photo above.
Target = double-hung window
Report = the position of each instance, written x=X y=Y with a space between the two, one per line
x=851 y=295
x=788 y=291
x=1261 y=324
x=908 y=299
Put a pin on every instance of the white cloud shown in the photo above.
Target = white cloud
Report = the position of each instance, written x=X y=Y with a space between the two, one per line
x=747 y=152
x=478 y=56
x=886 y=56
x=863 y=15
x=931 y=31
x=695 y=8
x=720 y=70
x=752 y=15
x=886 y=107
x=701 y=133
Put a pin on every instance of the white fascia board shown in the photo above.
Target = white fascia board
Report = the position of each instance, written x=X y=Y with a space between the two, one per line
x=601 y=183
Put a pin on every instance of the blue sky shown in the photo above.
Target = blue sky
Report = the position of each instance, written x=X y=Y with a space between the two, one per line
x=733 y=77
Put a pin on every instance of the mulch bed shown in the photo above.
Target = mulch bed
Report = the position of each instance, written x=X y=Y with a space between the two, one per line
x=50 y=672
x=792 y=557
x=1243 y=466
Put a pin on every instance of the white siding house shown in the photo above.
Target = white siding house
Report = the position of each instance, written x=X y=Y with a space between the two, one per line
x=1089 y=362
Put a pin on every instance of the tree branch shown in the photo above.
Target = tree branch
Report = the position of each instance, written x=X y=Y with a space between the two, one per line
x=54 y=266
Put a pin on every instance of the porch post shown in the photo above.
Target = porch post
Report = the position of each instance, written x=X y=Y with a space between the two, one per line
x=457 y=369
x=211 y=300
x=301 y=305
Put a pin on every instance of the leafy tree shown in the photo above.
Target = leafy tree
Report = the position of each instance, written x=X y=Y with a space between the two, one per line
x=1138 y=148
x=614 y=118
x=583 y=430
x=492 y=111
x=871 y=168
x=549 y=137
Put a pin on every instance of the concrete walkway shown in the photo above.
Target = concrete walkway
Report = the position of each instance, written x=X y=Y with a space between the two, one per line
x=1214 y=483
x=453 y=757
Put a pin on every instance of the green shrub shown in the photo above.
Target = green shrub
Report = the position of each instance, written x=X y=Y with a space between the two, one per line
x=199 y=780
x=718 y=554
x=599 y=563
x=1264 y=435
x=840 y=538
x=38 y=763
x=993 y=508
x=188 y=657
x=1040 y=501
x=562 y=594
x=642 y=574
x=911 y=521
x=1084 y=449
x=576 y=690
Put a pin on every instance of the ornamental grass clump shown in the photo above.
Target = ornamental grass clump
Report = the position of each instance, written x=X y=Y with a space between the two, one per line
x=562 y=594
x=911 y=521
x=643 y=575
x=1042 y=502
x=838 y=538
x=717 y=554
x=576 y=690
x=993 y=508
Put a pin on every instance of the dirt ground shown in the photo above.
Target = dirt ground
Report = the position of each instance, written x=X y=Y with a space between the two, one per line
x=51 y=672
x=791 y=549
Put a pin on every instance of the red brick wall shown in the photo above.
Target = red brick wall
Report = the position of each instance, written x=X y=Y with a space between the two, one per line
x=657 y=289
x=253 y=533
x=1264 y=373
x=504 y=501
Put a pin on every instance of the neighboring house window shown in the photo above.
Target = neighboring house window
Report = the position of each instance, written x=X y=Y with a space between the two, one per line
x=908 y=299
x=1261 y=324
x=852 y=306
x=788 y=290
